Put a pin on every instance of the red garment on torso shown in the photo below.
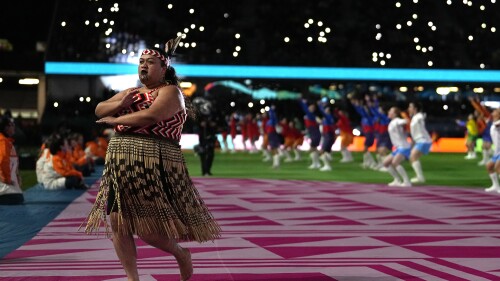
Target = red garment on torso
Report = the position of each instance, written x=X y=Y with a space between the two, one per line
x=170 y=128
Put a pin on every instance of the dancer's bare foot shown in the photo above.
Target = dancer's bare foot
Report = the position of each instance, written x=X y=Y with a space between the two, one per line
x=185 y=265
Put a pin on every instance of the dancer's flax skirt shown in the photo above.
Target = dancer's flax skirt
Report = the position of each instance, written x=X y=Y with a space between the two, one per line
x=146 y=181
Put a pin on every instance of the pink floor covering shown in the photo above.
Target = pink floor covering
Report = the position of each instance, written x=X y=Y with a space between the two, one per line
x=294 y=230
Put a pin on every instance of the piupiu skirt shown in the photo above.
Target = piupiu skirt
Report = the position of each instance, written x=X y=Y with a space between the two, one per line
x=146 y=181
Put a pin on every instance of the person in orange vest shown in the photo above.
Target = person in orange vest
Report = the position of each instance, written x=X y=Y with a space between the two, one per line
x=81 y=160
x=96 y=149
x=10 y=182
x=59 y=172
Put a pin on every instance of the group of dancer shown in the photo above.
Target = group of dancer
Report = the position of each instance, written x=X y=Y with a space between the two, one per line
x=389 y=130
x=485 y=125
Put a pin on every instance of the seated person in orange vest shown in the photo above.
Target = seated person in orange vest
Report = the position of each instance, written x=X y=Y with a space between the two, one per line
x=10 y=182
x=96 y=149
x=81 y=160
x=58 y=172
x=43 y=158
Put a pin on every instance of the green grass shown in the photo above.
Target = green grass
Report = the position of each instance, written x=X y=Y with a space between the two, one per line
x=446 y=169
x=28 y=177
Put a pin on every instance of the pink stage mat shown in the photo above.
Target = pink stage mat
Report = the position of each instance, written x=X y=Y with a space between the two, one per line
x=294 y=230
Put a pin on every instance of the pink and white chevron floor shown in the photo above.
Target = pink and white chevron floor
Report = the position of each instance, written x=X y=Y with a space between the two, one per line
x=294 y=230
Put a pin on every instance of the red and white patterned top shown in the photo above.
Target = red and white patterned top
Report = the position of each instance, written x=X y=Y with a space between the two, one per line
x=170 y=128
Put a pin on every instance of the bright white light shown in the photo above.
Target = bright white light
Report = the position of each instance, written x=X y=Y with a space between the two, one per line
x=482 y=7
x=379 y=35
x=306 y=25
x=124 y=51
x=202 y=28
x=322 y=33
x=493 y=29
x=232 y=104
x=218 y=51
x=238 y=48
x=424 y=49
x=237 y=36
x=448 y=2
x=374 y=54
x=398 y=26
x=186 y=30
x=309 y=39
x=492 y=104
x=415 y=16
x=418 y=47
x=382 y=62
x=267 y=108
x=235 y=54
x=81 y=99
x=193 y=26
x=96 y=24
x=170 y=6
x=415 y=1
x=183 y=36
x=409 y=23
x=381 y=54
x=105 y=20
x=191 y=11
x=287 y=39
x=398 y=5
x=374 y=59
x=1 y=80
x=87 y=22
x=262 y=101
x=430 y=48
x=56 y=104
x=327 y=30
x=443 y=91
x=226 y=15
x=377 y=26
x=433 y=28
x=250 y=104
x=63 y=23
x=388 y=56
x=310 y=21
x=469 y=3
x=445 y=107
x=482 y=65
x=29 y=81
x=356 y=132
x=430 y=63
x=483 y=25
x=186 y=85
x=186 y=45
x=180 y=44
x=320 y=23
x=415 y=39
x=479 y=90
x=471 y=37
x=193 y=44
x=112 y=22
x=99 y=10
x=87 y=99
x=403 y=89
